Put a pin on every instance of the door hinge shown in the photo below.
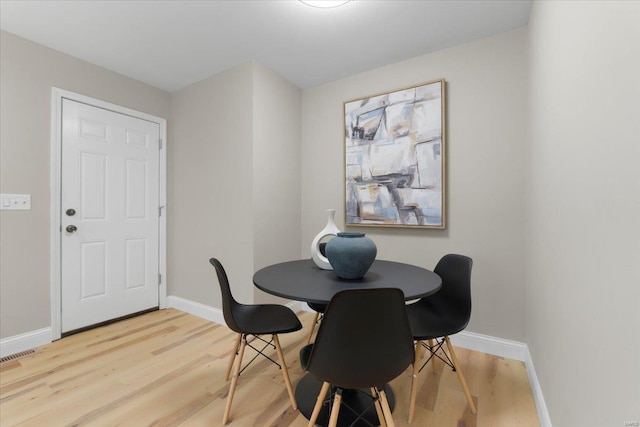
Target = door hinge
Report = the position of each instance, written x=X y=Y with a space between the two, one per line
x=160 y=210
x=160 y=143
x=159 y=279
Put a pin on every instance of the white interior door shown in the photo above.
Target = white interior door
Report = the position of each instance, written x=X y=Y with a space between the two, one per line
x=109 y=219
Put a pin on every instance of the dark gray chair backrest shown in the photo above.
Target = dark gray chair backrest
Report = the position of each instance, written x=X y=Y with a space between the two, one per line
x=364 y=339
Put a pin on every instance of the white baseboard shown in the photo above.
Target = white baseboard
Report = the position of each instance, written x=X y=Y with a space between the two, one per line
x=484 y=343
x=26 y=341
x=491 y=345
x=305 y=307
x=541 y=406
x=512 y=350
x=206 y=312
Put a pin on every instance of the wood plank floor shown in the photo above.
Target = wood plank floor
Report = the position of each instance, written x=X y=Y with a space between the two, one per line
x=167 y=368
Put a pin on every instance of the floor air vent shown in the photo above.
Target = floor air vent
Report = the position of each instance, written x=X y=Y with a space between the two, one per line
x=17 y=356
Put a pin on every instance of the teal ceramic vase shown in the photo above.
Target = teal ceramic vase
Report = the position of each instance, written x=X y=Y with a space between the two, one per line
x=351 y=254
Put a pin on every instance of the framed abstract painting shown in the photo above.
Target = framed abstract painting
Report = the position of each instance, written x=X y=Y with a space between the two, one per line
x=395 y=158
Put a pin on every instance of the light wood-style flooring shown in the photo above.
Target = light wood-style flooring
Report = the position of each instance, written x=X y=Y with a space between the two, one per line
x=167 y=368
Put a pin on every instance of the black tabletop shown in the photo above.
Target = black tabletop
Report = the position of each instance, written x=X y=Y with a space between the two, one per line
x=302 y=280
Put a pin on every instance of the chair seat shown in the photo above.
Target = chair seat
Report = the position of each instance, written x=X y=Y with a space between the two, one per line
x=266 y=319
x=430 y=321
x=320 y=308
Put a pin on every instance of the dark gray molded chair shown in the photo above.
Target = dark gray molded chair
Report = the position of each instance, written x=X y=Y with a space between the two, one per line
x=364 y=341
x=434 y=318
x=254 y=320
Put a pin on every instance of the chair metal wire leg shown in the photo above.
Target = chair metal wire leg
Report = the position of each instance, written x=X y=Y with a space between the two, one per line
x=260 y=351
x=458 y=370
x=234 y=381
x=236 y=346
x=414 y=380
x=385 y=408
x=433 y=361
x=285 y=372
x=319 y=403
x=433 y=353
x=333 y=420
x=313 y=327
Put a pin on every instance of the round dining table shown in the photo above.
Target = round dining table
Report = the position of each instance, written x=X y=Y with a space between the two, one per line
x=302 y=280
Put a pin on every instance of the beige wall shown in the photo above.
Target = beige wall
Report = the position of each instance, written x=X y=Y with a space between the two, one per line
x=233 y=177
x=28 y=71
x=583 y=251
x=276 y=171
x=234 y=190
x=548 y=207
x=210 y=189
x=486 y=145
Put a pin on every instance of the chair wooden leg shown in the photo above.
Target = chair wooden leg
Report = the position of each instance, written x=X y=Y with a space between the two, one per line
x=234 y=382
x=378 y=406
x=236 y=346
x=318 y=407
x=414 y=379
x=313 y=327
x=463 y=382
x=333 y=419
x=433 y=359
x=285 y=372
x=386 y=409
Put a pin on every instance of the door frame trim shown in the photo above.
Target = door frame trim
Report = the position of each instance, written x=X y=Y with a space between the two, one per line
x=57 y=95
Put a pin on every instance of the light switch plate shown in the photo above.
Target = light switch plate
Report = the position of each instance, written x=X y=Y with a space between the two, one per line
x=15 y=202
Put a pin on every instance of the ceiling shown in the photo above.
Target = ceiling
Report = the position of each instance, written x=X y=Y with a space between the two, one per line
x=172 y=44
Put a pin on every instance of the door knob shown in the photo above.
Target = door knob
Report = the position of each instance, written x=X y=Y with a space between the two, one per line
x=71 y=212
x=72 y=228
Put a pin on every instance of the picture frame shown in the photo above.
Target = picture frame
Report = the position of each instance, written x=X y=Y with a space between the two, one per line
x=394 y=158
